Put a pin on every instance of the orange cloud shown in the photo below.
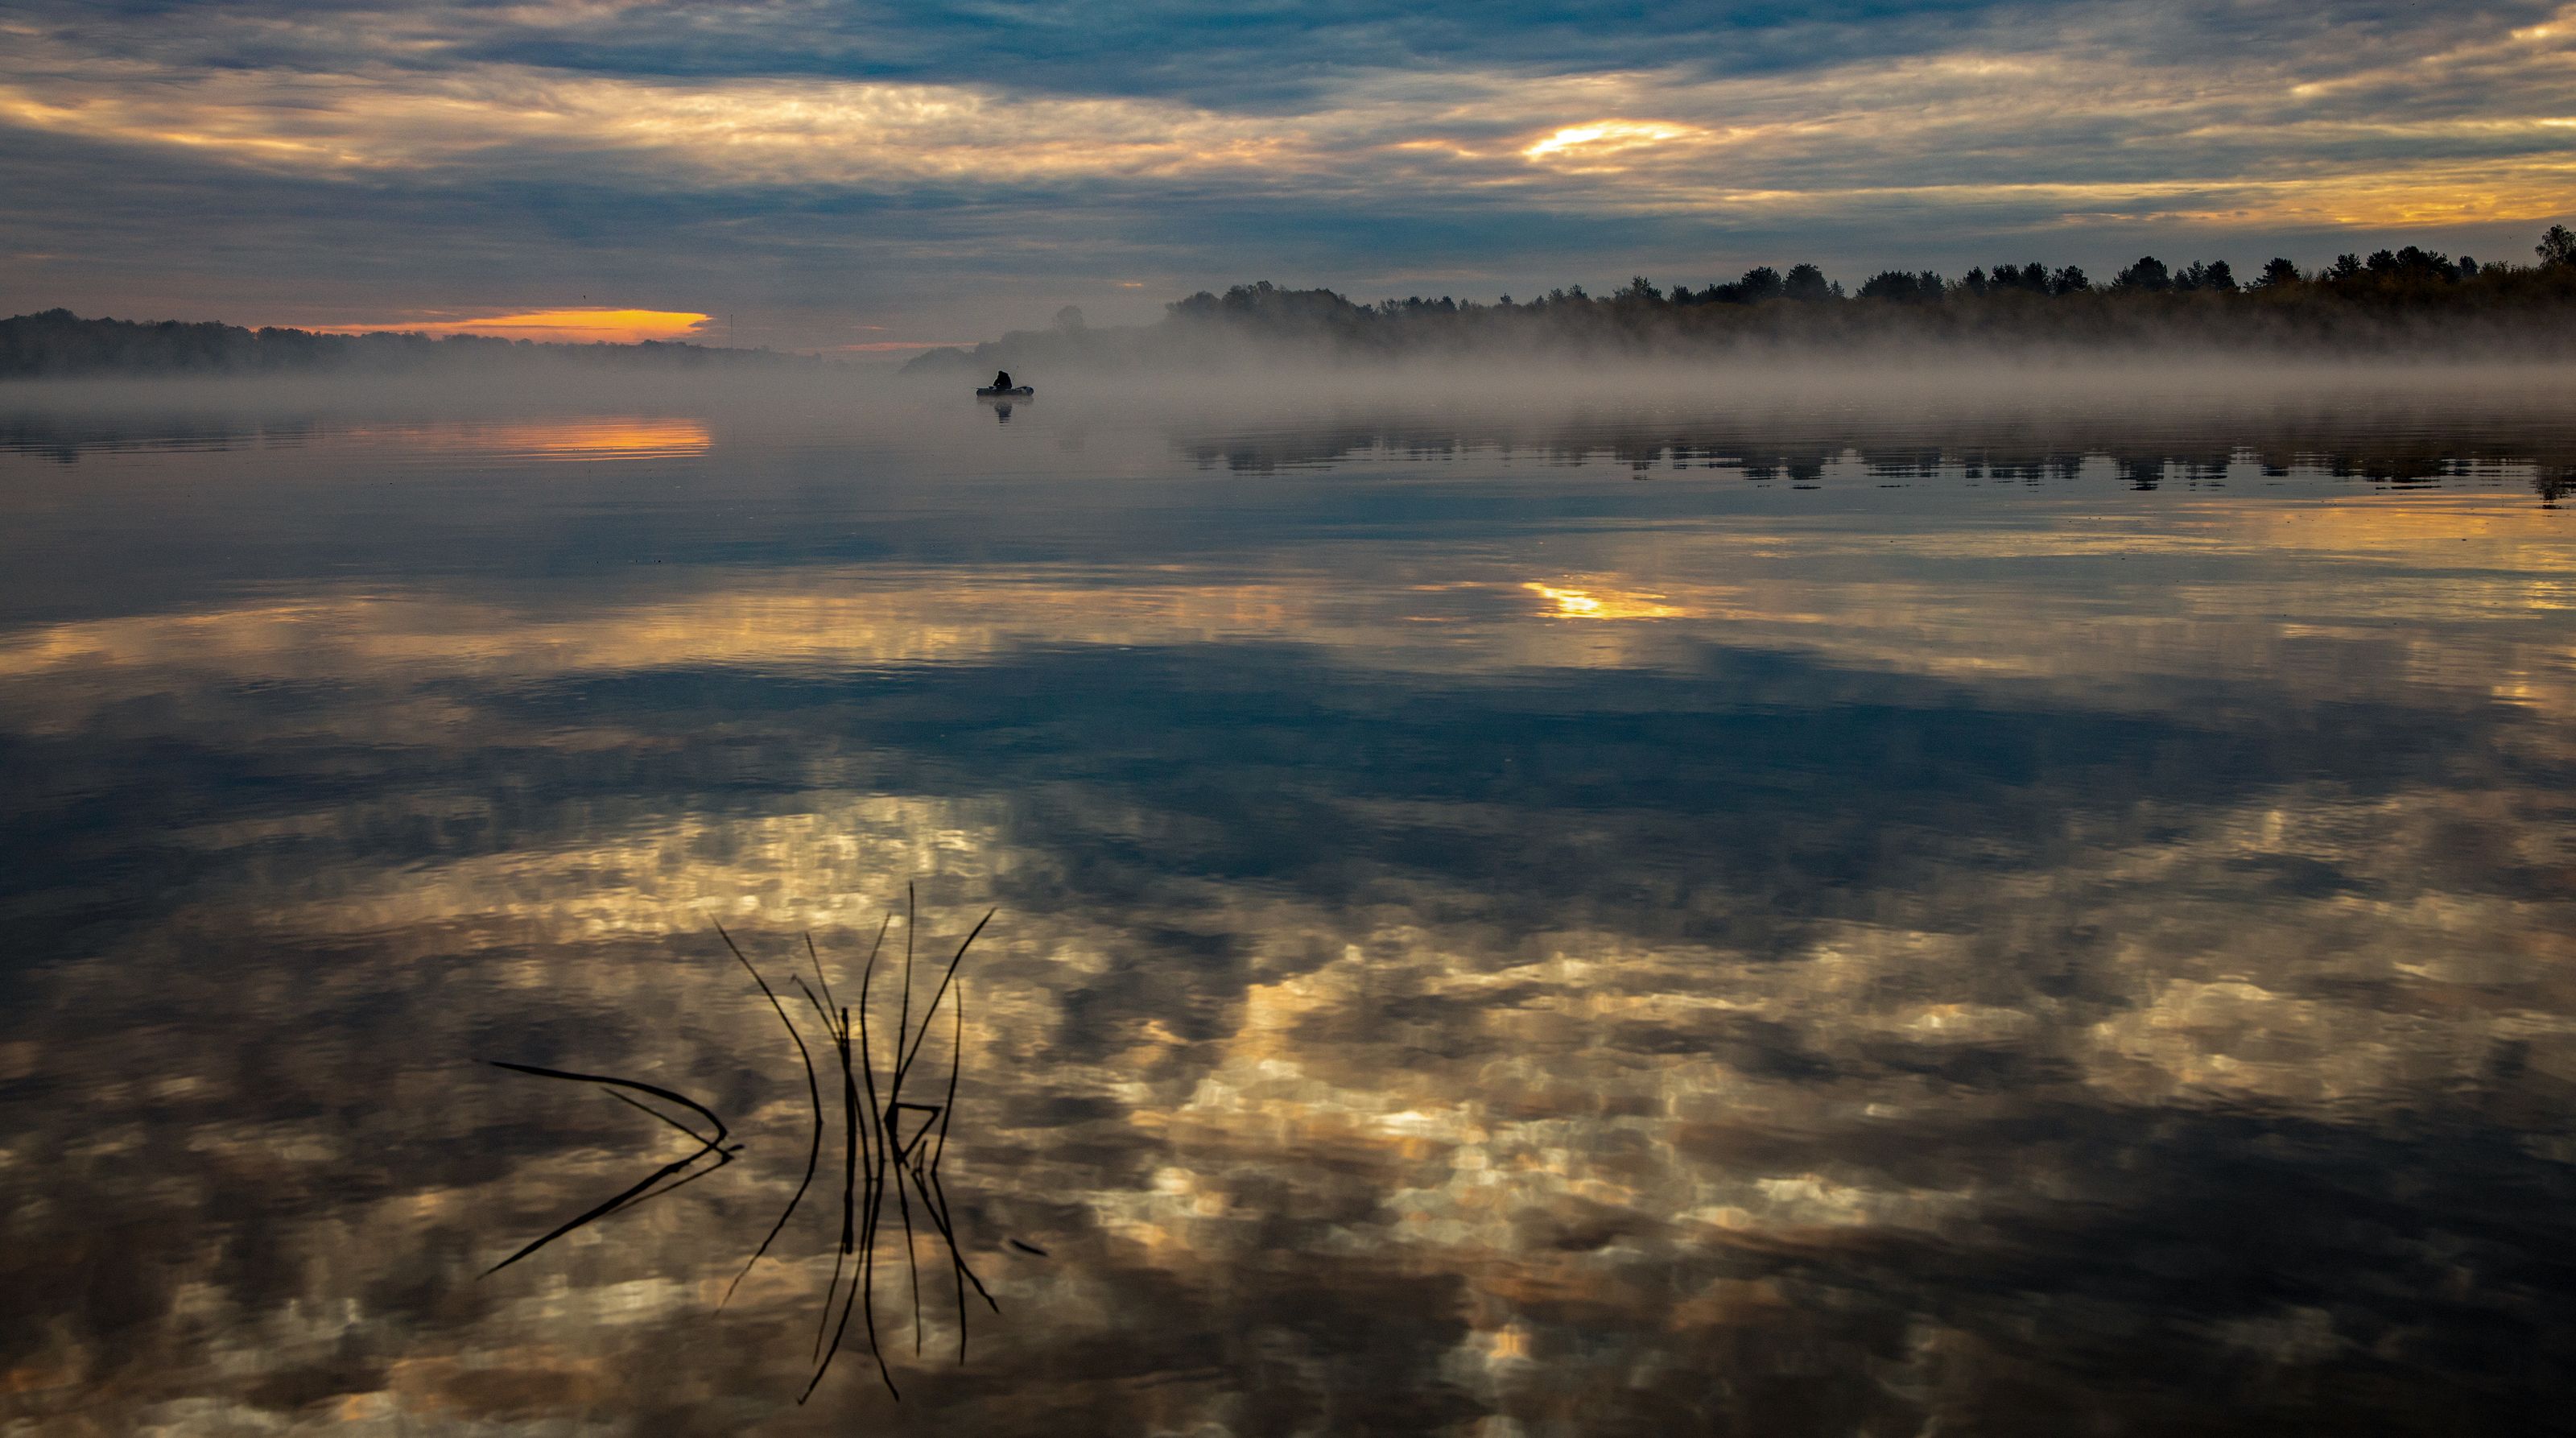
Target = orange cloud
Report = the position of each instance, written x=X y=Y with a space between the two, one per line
x=572 y=326
x=1603 y=137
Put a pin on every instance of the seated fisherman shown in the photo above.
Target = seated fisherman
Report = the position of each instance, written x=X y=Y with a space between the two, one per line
x=1002 y=379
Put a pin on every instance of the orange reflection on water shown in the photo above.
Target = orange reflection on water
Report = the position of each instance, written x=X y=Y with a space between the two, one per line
x=1595 y=602
x=602 y=439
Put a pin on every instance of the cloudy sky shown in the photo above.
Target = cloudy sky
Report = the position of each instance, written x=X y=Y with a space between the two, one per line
x=828 y=174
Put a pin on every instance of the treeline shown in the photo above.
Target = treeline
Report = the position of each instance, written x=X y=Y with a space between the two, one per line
x=58 y=343
x=2410 y=298
x=2409 y=274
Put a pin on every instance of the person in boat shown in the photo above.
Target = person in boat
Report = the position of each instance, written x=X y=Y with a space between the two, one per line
x=1001 y=379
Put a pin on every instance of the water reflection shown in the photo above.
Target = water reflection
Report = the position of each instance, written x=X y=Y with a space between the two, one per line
x=636 y=438
x=2188 y=439
x=65 y=437
x=1483 y=946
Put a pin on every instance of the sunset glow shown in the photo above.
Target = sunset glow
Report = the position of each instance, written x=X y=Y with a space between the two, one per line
x=564 y=326
x=1603 y=137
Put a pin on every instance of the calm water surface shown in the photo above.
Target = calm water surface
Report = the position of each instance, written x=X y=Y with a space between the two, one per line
x=1773 y=918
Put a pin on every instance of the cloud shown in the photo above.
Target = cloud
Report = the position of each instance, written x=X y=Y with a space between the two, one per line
x=1603 y=138
x=860 y=152
x=1964 y=124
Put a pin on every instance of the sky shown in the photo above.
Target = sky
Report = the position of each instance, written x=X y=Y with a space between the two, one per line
x=866 y=177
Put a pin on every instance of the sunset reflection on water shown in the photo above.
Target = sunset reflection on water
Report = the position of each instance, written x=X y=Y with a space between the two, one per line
x=1481 y=948
x=601 y=439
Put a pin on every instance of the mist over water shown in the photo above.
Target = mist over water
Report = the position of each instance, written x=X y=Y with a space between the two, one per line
x=1759 y=900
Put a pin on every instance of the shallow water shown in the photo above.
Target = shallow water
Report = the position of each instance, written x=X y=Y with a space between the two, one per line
x=1773 y=913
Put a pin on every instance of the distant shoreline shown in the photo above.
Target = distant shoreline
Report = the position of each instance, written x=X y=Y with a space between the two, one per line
x=2409 y=303
x=57 y=344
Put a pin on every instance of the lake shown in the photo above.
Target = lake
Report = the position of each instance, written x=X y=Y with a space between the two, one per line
x=1820 y=905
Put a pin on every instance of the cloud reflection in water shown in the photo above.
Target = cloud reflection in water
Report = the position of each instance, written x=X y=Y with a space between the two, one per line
x=1999 y=958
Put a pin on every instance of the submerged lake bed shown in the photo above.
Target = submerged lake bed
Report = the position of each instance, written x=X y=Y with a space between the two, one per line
x=1811 y=904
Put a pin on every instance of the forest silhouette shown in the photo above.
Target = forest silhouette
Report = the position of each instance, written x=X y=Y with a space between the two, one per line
x=2409 y=299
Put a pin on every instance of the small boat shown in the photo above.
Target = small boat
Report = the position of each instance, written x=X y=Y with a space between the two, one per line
x=1017 y=391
